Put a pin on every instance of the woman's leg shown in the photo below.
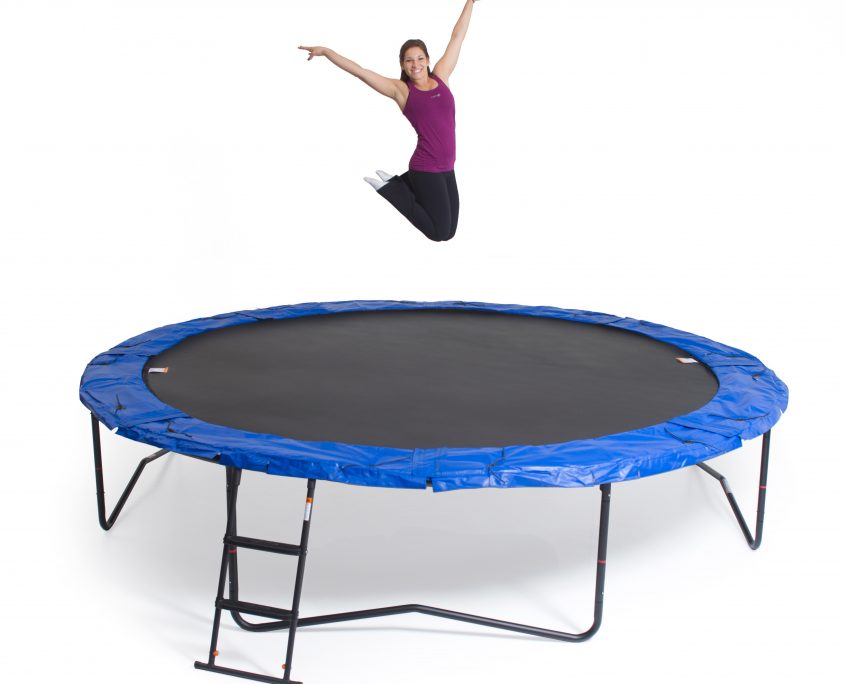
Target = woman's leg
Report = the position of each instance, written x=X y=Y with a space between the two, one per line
x=424 y=199
x=454 y=202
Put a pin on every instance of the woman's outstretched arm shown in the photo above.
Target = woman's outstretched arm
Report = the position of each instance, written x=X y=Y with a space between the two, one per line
x=389 y=87
x=446 y=64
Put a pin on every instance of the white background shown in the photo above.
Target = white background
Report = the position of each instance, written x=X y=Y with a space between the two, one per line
x=677 y=161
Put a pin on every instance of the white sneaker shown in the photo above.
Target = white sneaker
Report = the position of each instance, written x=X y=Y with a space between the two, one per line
x=375 y=182
x=384 y=175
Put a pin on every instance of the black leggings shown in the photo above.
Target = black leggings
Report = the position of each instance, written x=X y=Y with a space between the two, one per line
x=428 y=200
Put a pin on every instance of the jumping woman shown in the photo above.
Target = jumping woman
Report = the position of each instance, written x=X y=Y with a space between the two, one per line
x=426 y=194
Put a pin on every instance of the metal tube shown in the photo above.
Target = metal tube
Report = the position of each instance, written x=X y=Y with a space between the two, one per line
x=300 y=572
x=601 y=561
x=233 y=480
x=761 y=495
x=242 y=674
x=601 y=565
x=755 y=540
x=107 y=522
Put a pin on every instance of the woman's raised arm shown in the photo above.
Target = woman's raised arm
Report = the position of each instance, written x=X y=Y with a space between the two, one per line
x=446 y=64
x=389 y=87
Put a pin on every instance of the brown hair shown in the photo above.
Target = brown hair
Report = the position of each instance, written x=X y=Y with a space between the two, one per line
x=407 y=45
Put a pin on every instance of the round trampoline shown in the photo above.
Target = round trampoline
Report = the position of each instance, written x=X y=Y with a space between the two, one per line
x=448 y=395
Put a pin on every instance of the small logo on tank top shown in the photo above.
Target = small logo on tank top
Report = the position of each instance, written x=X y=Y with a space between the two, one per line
x=435 y=95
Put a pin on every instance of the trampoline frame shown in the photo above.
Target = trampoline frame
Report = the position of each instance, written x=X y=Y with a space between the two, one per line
x=289 y=618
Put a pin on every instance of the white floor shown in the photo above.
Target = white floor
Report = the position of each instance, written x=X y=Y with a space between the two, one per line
x=673 y=161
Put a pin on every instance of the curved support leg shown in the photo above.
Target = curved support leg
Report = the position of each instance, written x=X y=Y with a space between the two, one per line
x=107 y=522
x=598 y=604
x=281 y=618
x=755 y=540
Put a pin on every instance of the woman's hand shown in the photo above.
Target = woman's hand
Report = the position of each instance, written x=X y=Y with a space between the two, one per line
x=314 y=51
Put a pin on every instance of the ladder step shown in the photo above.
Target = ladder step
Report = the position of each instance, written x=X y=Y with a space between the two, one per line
x=263 y=545
x=254 y=609
x=242 y=673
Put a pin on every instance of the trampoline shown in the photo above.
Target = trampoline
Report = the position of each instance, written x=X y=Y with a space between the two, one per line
x=444 y=395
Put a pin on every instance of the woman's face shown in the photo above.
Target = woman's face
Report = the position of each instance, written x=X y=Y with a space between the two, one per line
x=415 y=63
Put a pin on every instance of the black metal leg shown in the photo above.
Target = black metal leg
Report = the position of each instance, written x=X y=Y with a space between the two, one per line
x=300 y=572
x=755 y=540
x=290 y=620
x=107 y=522
x=601 y=561
x=601 y=566
x=233 y=481
x=598 y=605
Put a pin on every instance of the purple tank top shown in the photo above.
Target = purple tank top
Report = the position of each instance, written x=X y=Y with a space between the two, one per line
x=432 y=114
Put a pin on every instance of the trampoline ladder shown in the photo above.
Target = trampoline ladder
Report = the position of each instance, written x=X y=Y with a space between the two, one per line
x=288 y=618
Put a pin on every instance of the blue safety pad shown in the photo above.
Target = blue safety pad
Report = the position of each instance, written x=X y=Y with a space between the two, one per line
x=750 y=400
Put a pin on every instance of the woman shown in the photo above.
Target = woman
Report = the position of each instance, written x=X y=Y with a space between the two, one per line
x=427 y=194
